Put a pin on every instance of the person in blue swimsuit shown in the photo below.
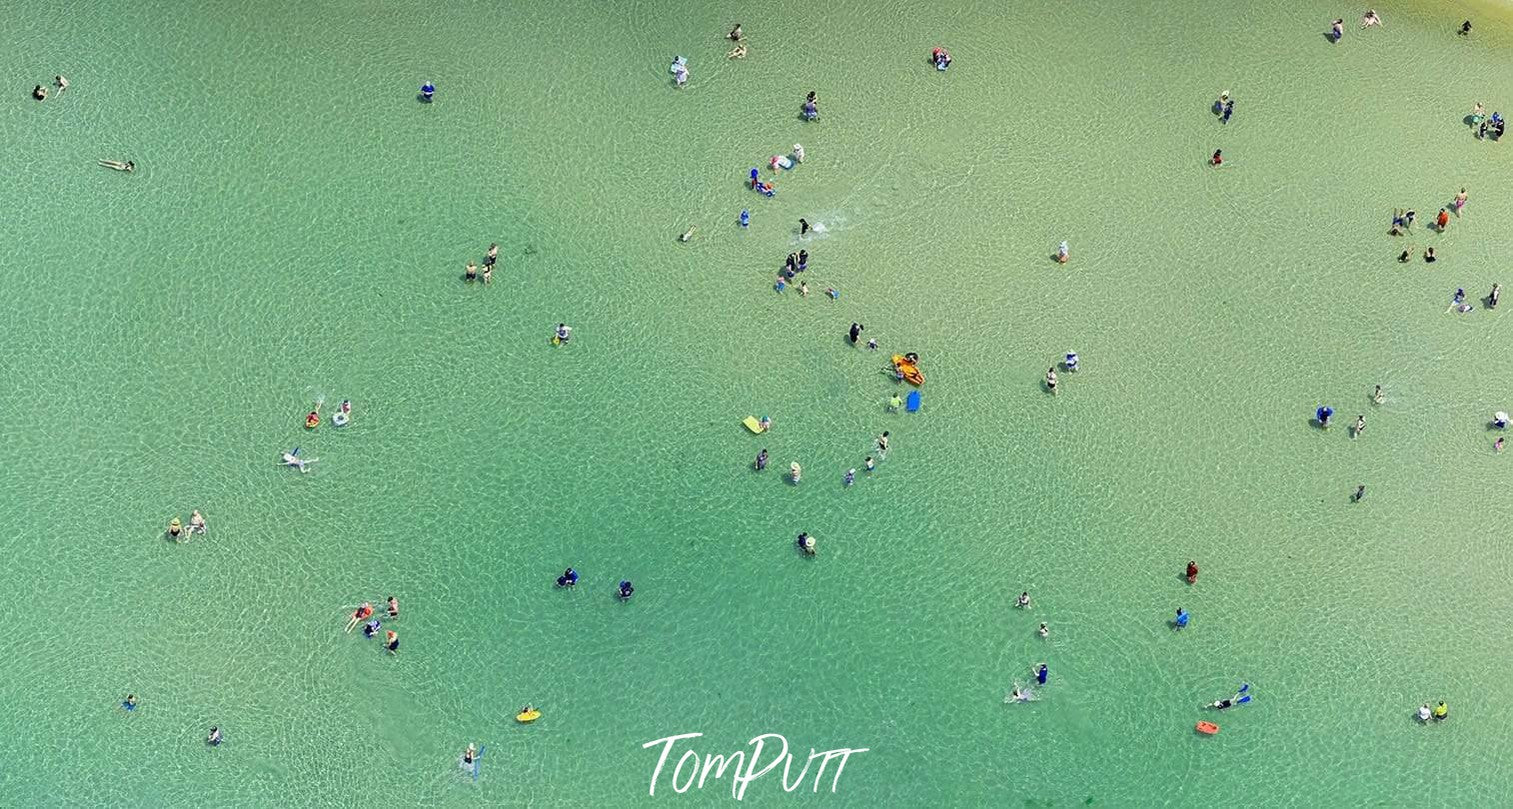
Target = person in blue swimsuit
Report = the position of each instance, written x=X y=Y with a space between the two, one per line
x=130 y=703
x=1181 y=620
x=1041 y=673
x=626 y=590
x=569 y=578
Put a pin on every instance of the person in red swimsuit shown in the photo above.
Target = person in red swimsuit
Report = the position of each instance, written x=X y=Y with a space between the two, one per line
x=1192 y=572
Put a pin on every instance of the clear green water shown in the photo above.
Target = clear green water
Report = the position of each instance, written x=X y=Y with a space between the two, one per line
x=298 y=226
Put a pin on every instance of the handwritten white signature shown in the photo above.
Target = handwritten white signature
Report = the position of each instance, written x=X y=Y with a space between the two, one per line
x=698 y=766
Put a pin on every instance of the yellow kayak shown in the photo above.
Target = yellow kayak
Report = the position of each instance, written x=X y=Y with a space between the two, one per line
x=526 y=717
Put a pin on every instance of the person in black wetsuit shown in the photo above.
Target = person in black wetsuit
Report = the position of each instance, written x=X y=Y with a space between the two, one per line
x=856 y=330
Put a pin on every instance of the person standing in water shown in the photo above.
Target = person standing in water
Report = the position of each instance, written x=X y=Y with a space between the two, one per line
x=393 y=607
x=882 y=443
x=1493 y=298
x=870 y=464
x=735 y=33
x=761 y=460
x=470 y=273
x=1042 y=673
x=1460 y=201
x=391 y=642
x=1360 y=425
x=1217 y=159
x=1378 y=397
x=1442 y=220
x=856 y=331
x=62 y=82
x=1192 y=572
x=803 y=226
x=1360 y=492
x=850 y=476
x=1050 y=378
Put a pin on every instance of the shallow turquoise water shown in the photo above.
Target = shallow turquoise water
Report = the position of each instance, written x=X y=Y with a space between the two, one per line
x=298 y=226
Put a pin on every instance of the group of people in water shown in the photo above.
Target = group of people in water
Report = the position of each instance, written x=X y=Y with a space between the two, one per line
x=569 y=580
x=470 y=272
x=178 y=533
x=371 y=625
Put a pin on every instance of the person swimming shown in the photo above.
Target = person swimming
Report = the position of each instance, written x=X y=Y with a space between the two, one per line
x=1465 y=28
x=371 y=628
x=359 y=615
x=214 y=739
x=118 y=165
x=293 y=459
x=1019 y=694
x=39 y=92
x=569 y=578
x=1024 y=600
x=626 y=589
x=1370 y=19
x=1241 y=697
x=130 y=703
x=806 y=544
x=196 y=522
x=1218 y=158
x=735 y=33
x=687 y=234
